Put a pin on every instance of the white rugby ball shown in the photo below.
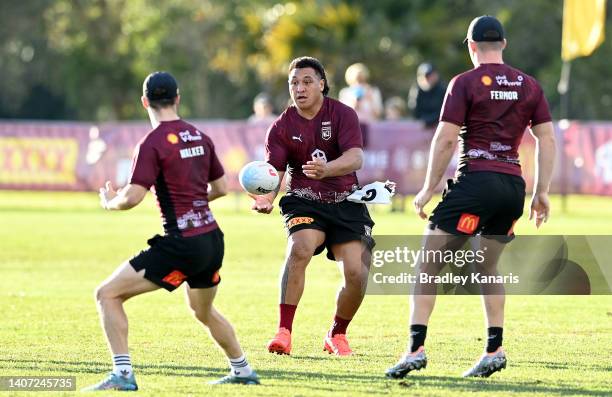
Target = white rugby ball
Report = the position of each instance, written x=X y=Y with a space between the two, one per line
x=258 y=177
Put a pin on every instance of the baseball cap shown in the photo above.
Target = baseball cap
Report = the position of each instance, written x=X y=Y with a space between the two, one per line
x=160 y=85
x=485 y=28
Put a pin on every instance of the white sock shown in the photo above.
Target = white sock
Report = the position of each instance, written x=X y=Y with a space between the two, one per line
x=240 y=366
x=122 y=365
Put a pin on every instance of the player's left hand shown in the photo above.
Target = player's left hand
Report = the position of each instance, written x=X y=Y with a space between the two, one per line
x=540 y=208
x=420 y=201
x=107 y=193
x=315 y=169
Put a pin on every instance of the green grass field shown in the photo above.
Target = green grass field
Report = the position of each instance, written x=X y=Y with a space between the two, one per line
x=56 y=247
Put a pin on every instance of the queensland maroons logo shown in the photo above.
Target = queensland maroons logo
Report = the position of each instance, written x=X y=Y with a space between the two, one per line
x=326 y=131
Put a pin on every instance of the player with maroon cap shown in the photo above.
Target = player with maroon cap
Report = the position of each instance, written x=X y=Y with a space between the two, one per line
x=488 y=108
x=180 y=162
x=318 y=142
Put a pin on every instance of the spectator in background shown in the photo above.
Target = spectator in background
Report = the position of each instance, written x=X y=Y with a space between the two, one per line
x=361 y=96
x=263 y=110
x=395 y=108
x=427 y=95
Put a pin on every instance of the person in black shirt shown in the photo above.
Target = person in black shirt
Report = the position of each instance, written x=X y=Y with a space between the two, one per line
x=426 y=96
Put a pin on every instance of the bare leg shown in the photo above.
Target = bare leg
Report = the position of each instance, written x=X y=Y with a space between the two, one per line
x=354 y=260
x=201 y=302
x=301 y=245
x=123 y=284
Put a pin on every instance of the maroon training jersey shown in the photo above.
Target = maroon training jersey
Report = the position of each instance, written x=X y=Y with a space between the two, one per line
x=293 y=140
x=493 y=104
x=179 y=161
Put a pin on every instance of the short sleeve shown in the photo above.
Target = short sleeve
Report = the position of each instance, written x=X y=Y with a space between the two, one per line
x=455 y=105
x=216 y=169
x=349 y=135
x=145 y=165
x=541 y=113
x=276 y=149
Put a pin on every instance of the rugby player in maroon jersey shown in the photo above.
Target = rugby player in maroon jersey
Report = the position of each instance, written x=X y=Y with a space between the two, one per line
x=317 y=142
x=180 y=162
x=487 y=109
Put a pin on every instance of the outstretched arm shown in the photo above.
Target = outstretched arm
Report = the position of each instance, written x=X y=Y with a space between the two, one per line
x=264 y=203
x=125 y=198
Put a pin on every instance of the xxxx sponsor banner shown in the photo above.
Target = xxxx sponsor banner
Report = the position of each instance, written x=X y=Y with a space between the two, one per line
x=82 y=156
x=41 y=155
x=463 y=265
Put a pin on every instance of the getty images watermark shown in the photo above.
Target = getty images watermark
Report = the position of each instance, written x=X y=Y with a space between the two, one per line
x=459 y=258
x=552 y=265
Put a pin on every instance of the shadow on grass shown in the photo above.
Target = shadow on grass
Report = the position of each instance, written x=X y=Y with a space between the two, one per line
x=567 y=366
x=332 y=382
x=494 y=385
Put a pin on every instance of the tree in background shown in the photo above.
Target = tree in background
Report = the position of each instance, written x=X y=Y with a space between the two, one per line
x=86 y=59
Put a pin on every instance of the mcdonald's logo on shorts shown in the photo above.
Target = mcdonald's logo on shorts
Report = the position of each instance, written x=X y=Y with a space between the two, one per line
x=468 y=223
x=174 y=278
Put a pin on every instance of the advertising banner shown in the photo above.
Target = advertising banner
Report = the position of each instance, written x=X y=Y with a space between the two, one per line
x=81 y=156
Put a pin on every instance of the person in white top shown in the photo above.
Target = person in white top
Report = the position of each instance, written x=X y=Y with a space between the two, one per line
x=361 y=96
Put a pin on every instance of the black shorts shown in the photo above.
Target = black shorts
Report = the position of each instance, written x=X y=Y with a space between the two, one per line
x=487 y=203
x=341 y=222
x=170 y=260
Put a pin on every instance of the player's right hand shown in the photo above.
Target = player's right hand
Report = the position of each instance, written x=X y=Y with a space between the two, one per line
x=420 y=201
x=262 y=204
x=107 y=193
x=540 y=208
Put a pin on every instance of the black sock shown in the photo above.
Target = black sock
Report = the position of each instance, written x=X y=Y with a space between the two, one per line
x=494 y=341
x=418 y=332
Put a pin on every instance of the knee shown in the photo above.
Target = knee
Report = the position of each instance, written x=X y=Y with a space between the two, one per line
x=205 y=316
x=355 y=275
x=102 y=294
x=300 y=254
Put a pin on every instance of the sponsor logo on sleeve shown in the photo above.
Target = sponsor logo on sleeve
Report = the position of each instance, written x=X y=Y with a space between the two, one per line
x=174 y=278
x=468 y=223
x=299 y=220
x=172 y=138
